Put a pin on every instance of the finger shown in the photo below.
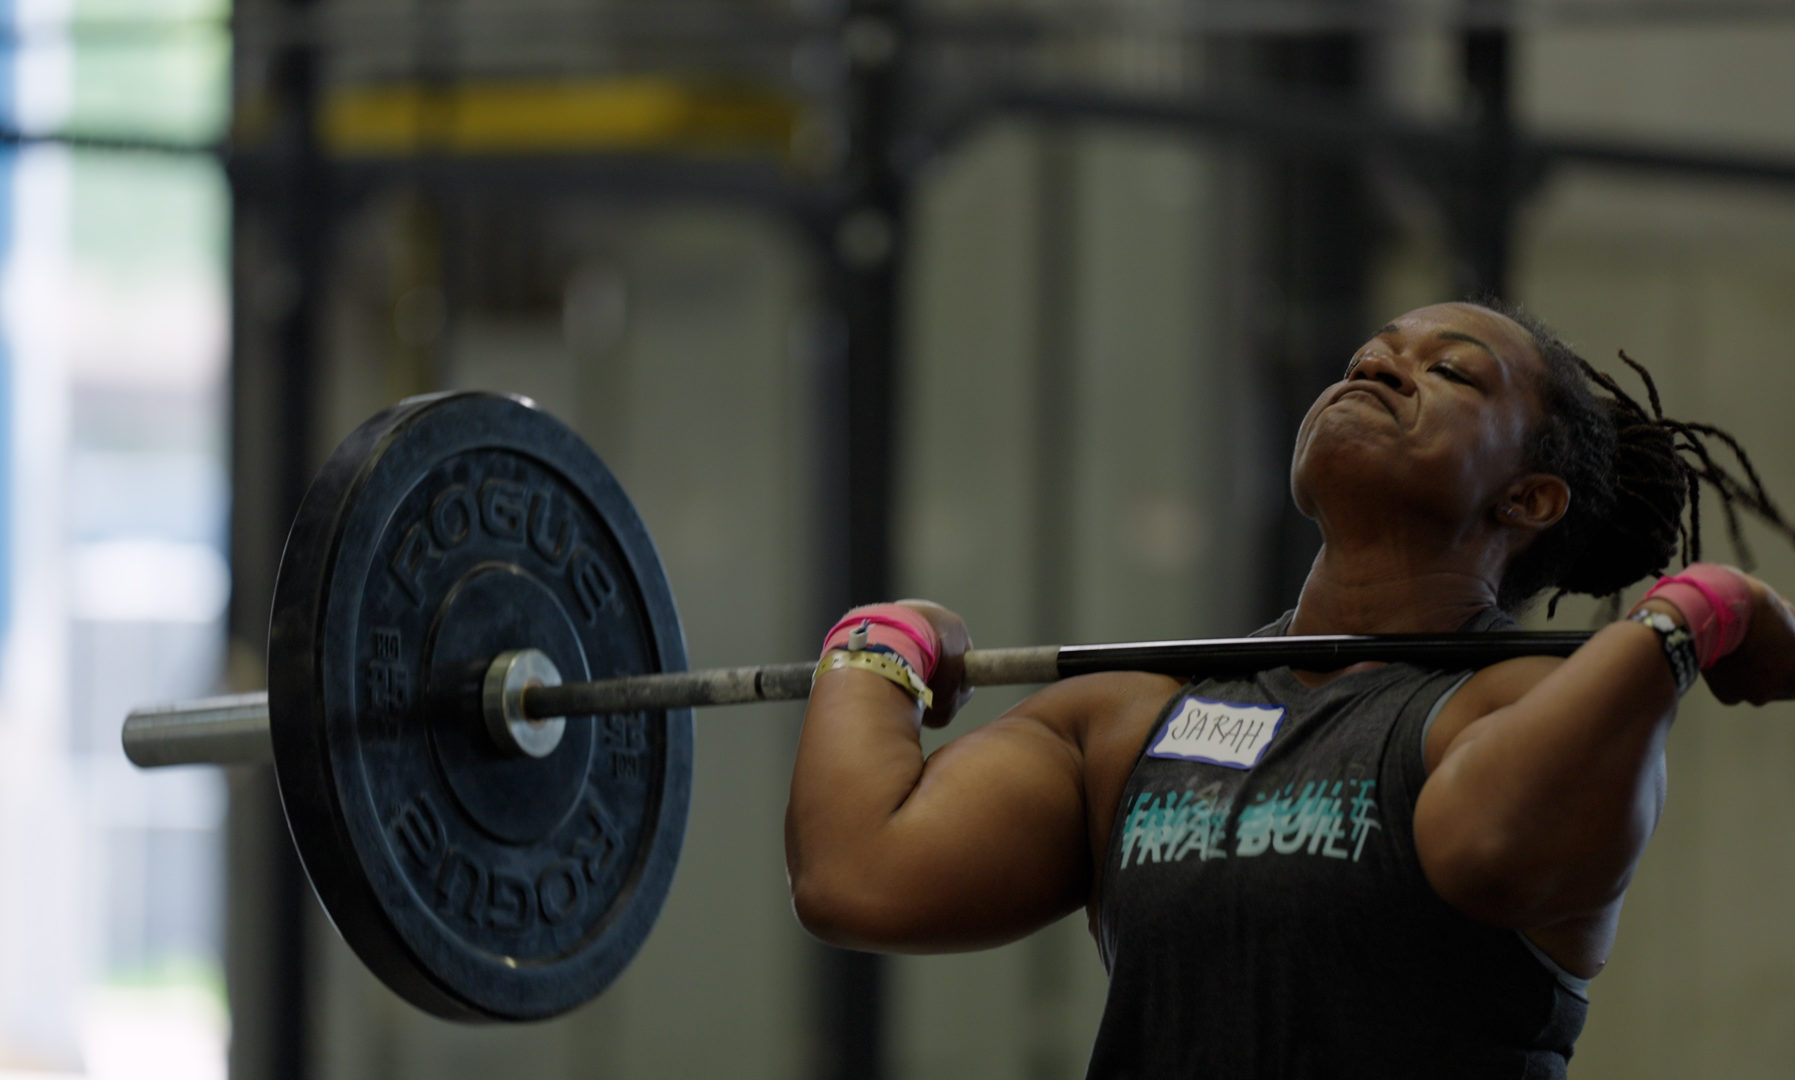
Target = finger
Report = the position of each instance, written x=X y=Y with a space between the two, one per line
x=947 y=684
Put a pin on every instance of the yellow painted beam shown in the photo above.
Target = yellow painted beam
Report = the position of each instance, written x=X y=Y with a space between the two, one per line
x=514 y=117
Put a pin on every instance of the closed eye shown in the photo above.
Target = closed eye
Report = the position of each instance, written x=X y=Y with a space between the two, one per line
x=1453 y=374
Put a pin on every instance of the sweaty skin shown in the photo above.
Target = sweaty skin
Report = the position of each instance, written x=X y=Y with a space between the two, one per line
x=1546 y=776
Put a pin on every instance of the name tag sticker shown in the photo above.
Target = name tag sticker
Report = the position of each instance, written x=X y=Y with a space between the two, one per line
x=1219 y=732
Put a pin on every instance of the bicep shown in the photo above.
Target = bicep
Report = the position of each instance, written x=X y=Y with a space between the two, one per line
x=1029 y=801
x=983 y=847
x=1546 y=782
x=991 y=845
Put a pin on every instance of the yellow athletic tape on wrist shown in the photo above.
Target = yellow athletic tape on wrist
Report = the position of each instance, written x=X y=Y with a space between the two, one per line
x=879 y=663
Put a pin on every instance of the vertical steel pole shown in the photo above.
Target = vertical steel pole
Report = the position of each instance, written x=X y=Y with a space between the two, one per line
x=864 y=252
x=1318 y=228
x=275 y=307
x=1485 y=206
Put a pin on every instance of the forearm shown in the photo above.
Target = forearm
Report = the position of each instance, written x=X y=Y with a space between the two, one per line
x=859 y=758
x=1541 y=809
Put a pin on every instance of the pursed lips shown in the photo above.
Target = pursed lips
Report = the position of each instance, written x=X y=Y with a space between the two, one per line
x=1365 y=388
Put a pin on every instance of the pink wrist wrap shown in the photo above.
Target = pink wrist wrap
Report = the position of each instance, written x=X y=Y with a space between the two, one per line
x=1715 y=602
x=897 y=628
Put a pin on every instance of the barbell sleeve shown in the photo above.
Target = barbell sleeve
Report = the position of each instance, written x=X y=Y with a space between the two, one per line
x=210 y=731
x=234 y=730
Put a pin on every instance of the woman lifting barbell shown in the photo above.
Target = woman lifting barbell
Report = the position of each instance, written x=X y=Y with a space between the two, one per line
x=1379 y=871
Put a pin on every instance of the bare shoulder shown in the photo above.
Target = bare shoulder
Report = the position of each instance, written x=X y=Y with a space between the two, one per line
x=1492 y=688
x=1104 y=717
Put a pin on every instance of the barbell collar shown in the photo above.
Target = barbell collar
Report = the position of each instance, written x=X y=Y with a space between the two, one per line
x=509 y=677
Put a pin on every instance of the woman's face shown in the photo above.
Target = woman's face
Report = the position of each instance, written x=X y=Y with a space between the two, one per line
x=1431 y=416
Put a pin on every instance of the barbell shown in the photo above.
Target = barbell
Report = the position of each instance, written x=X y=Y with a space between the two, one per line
x=479 y=713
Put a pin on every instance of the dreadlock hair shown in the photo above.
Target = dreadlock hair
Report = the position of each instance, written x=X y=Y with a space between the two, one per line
x=1632 y=472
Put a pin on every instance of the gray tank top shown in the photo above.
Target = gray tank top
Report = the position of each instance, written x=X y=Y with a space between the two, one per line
x=1264 y=913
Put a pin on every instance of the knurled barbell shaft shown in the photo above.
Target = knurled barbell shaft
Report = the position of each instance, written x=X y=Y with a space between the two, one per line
x=234 y=730
x=768 y=682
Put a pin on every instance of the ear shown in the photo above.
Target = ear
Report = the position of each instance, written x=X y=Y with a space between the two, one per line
x=1534 y=503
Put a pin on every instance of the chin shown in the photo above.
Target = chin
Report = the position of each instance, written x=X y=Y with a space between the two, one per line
x=1329 y=460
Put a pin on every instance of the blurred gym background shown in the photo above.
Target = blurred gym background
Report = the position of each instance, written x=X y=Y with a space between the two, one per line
x=1009 y=303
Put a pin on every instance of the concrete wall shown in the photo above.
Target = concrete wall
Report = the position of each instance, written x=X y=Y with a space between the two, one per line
x=679 y=347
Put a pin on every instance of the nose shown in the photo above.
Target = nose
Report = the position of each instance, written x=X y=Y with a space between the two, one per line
x=1385 y=369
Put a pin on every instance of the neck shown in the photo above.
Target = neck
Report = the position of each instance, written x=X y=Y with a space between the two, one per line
x=1380 y=590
